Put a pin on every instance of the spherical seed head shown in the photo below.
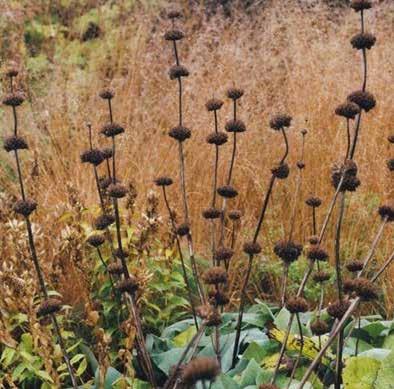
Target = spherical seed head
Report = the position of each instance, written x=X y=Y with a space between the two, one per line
x=287 y=251
x=107 y=94
x=348 y=286
x=107 y=153
x=390 y=164
x=12 y=70
x=209 y=314
x=117 y=191
x=235 y=215
x=216 y=297
x=49 y=306
x=13 y=142
x=338 y=308
x=112 y=129
x=223 y=254
x=13 y=99
x=211 y=213
x=103 y=221
x=178 y=71
x=200 y=368
x=390 y=138
x=348 y=110
x=365 y=100
x=128 y=285
x=115 y=268
x=215 y=275
x=213 y=104
x=354 y=266
x=217 y=138
x=363 y=40
x=104 y=182
x=280 y=121
x=25 y=207
x=174 y=14
x=93 y=156
x=313 y=202
x=360 y=5
x=297 y=305
x=174 y=35
x=121 y=253
x=319 y=327
x=183 y=229
x=316 y=253
x=349 y=171
x=96 y=240
x=321 y=276
x=300 y=165
x=281 y=171
x=163 y=181
x=235 y=126
x=252 y=248
x=180 y=133
x=227 y=191
x=313 y=239
x=365 y=289
x=234 y=93
x=386 y=211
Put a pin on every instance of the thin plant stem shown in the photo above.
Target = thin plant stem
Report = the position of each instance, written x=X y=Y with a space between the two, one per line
x=338 y=246
x=284 y=283
x=348 y=139
x=297 y=362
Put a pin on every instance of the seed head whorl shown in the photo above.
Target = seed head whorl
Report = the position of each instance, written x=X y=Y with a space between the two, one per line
x=223 y=254
x=174 y=14
x=112 y=129
x=281 y=171
x=12 y=70
x=104 y=182
x=235 y=126
x=313 y=240
x=180 y=133
x=183 y=229
x=363 y=40
x=338 y=308
x=96 y=240
x=235 y=215
x=350 y=181
x=354 y=266
x=360 y=5
x=117 y=191
x=313 y=202
x=211 y=213
x=348 y=110
x=216 y=297
x=252 y=248
x=386 y=211
x=280 y=121
x=25 y=207
x=107 y=153
x=49 y=306
x=103 y=221
x=93 y=156
x=14 y=99
x=227 y=191
x=213 y=104
x=215 y=275
x=287 y=251
x=13 y=142
x=390 y=164
x=163 y=181
x=365 y=100
x=115 y=268
x=234 y=93
x=319 y=327
x=128 y=285
x=297 y=305
x=348 y=286
x=174 y=35
x=390 y=138
x=217 y=138
x=365 y=289
x=200 y=369
x=316 y=253
x=121 y=253
x=178 y=71
x=321 y=276
x=107 y=94
x=300 y=165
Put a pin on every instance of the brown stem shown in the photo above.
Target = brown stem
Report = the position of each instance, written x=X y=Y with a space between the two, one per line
x=297 y=362
x=284 y=282
x=338 y=246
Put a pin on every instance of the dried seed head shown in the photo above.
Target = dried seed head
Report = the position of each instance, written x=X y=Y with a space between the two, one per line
x=280 y=121
x=211 y=213
x=180 y=133
x=223 y=254
x=115 y=268
x=234 y=93
x=49 y=306
x=390 y=164
x=13 y=142
x=174 y=14
x=213 y=104
x=321 y=276
x=390 y=138
x=121 y=253
x=316 y=253
x=313 y=202
x=200 y=368
x=25 y=207
x=12 y=70
x=297 y=305
x=107 y=94
x=287 y=251
x=281 y=171
x=209 y=314
x=386 y=211
x=107 y=153
x=216 y=297
x=348 y=286
x=360 y=5
x=93 y=156
x=363 y=40
x=215 y=275
x=350 y=181
x=235 y=215
x=117 y=191
x=319 y=327
x=174 y=35
x=14 y=99
x=217 y=138
x=354 y=266
x=300 y=165
x=96 y=240
x=112 y=129
x=365 y=100
x=104 y=182
x=227 y=191
x=103 y=221
x=252 y=248
x=348 y=110
x=183 y=229
x=128 y=285
x=314 y=239
x=235 y=126
x=163 y=181
x=365 y=289
x=338 y=308
x=178 y=71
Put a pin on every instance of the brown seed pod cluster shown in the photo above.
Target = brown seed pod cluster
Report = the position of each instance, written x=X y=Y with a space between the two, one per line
x=348 y=110
x=321 y=276
x=14 y=99
x=227 y=191
x=235 y=125
x=174 y=35
x=13 y=142
x=316 y=253
x=164 y=181
x=365 y=289
x=361 y=5
x=319 y=327
x=211 y=213
x=313 y=202
x=128 y=285
x=200 y=369
x=280 y=121
x=96 y=240
x=49 y=306
x=235 y=215
x=215 y=275
x=25 y=207
x=115 y=268
x=287 y=251
x=217 y=138
x=112 y=129
x=103 y=221
x=218 y=298
x=354 y=266
x=363 y=40
x=117 y=191
x=213 y=104
x=296 y=305
x=234 y=93
x=107 y=94
x=183 y=229
x=386 y=211
x=281 y=171
x=209 y=314
x=338 y=308
x=223 y=254
x=365 y=100
x=180 y=133
x=93 y=156
x=390 y=164
x=178 y=71
x=348 y=171
x=252 y=248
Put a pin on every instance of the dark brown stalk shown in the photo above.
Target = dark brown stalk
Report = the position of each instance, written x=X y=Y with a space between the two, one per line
x=348 y=139
x=297 y=362
x=284 y=283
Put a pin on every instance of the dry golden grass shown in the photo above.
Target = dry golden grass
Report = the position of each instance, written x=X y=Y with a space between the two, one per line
x=285 y=57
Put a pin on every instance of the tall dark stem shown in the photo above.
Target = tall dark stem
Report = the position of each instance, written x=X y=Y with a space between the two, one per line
x=297 y=362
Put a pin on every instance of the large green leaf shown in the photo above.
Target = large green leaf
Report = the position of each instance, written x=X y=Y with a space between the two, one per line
x=385 y=378
x=249 y=375
x=184 y=337
x=360 y=373
x=225 y=382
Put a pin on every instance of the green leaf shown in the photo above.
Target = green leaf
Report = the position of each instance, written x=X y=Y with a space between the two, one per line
x=184 y=337
x=374 y=329
x=164 y=361
x=250 y=374
x=26 y=343
x=360 y=373
x=90 y=356
x=7 y=356
x=376 y=353
x=44 y=375
x=82 y=367
x=225 y=382
x=385 y=378
x=111 y=377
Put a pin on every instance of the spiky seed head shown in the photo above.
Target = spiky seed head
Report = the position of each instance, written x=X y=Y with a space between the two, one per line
x=313 y=201
x=223 y=254
x=365 y=100
x=104 y=182
x=200 y=369
x=227 y=191
x=13 y=142
x=360 y=5
x=281 y=171
x=180 y=133
x=235 y=126
x=216 y=297
x=348 y=286
x=12 y=70
x=319 y=327
x=96 y=240
x=338 y=308
x=117 y=191
x=25 y=207
x=14 y=99
x=348 y=110
x=316 y=253
x=252 y=248
x=112 y=129
x=390 y=138
x=93 y=156
x=234 y=93
x=107 y=94
x=296 y=305
x=213 y=104
x=164 y=181
x=211 y=213
x=107 y=153
x=350 y=167
x=365 y=289
x=183 y=229
x=178 y=71
x=174 y=14
x=115 y=268
x=209 y=314
x=235 y=215
x=348 y=170
x=321 y=276
x=215 y=275
x=174 y=35
x=386 y=211
x=390 y=164
x=300 y=165
x=121 y=253
x=103 y=221
x=363 y=40
x=280 y=121
x=354 y=266
x=287 y=251
x=48 y=307
x=217 y=138
x=128 y=285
